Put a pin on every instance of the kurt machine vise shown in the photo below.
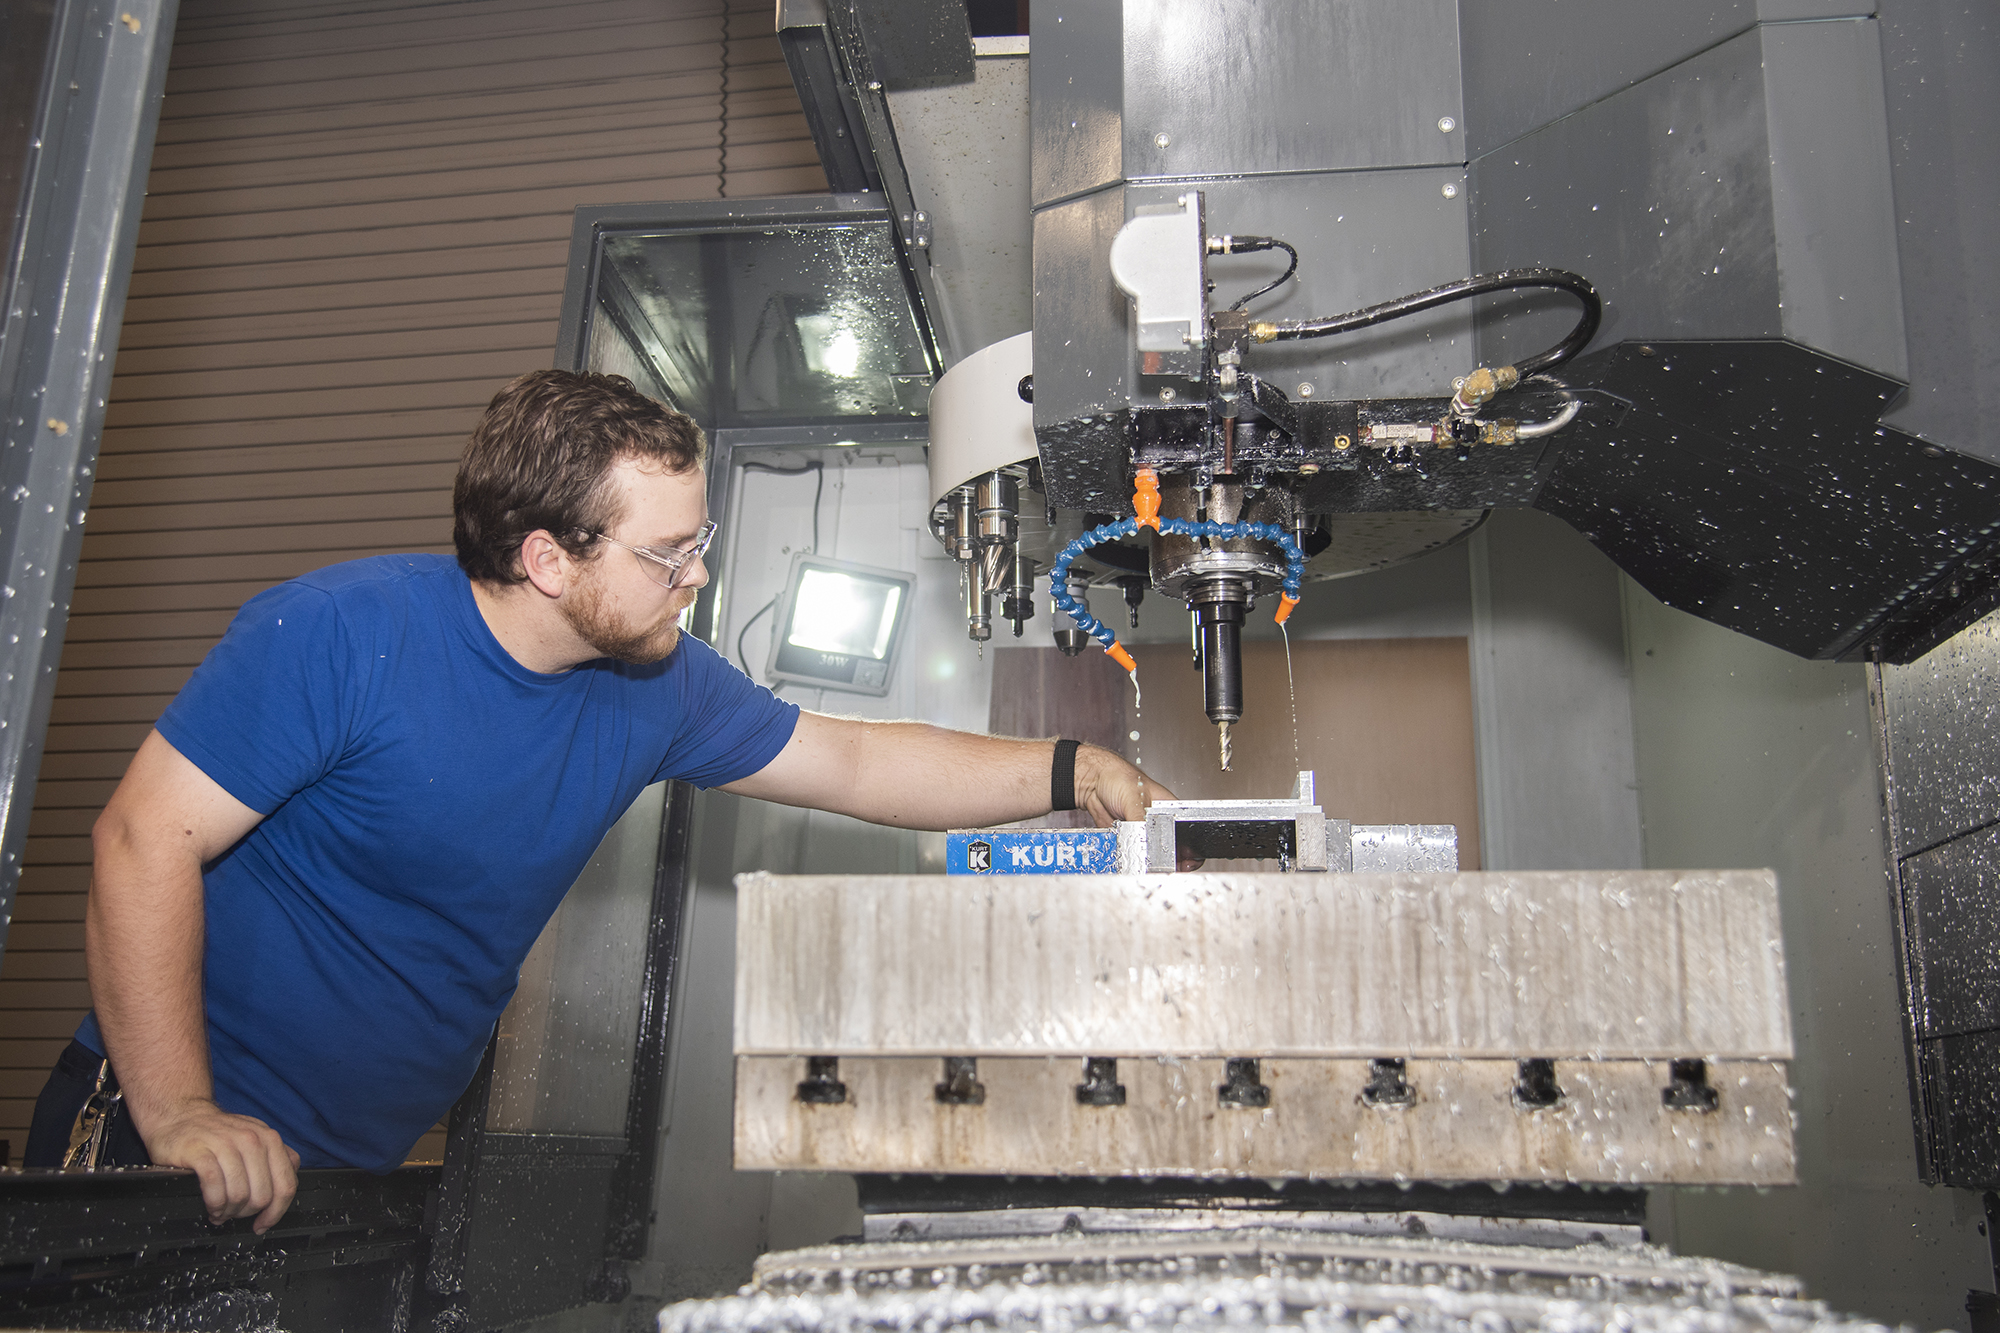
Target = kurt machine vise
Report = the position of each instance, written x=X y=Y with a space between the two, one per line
x=1064 y=1005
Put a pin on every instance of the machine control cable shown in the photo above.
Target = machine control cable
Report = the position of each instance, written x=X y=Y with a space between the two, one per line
x=1243 y=245
x=818 y=469
x=1513 y=279
x=1146 y=503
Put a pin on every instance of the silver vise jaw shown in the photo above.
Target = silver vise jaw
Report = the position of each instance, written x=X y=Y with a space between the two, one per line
x=1293 y=831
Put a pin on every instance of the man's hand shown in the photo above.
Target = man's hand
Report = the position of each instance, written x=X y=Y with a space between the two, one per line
x=245 y=1169
x=1112 y=789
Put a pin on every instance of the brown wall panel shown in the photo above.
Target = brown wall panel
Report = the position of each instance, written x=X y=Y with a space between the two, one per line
x=135 y=652
x=428 y=475
x=1385 y=724
x=303 y=286
x=342 y=428
x=223 y=522
x=68 y=823
x=261 y=382
x=262 y=358
x=477 y=317
x=380 y=248
x=355 y=232
x=380 y=535
x=466 y=118
x=66 y=963
x=71 y=879
x=266 y=567
x=49 y=907
x=63 y=938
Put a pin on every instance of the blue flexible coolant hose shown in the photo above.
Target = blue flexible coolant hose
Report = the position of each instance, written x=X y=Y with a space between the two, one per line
x=1295 y=561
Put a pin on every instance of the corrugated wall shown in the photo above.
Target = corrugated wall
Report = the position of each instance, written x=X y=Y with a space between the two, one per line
x=355 y=232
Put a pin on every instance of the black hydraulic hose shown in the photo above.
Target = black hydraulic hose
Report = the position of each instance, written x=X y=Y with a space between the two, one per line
x=1512 y=279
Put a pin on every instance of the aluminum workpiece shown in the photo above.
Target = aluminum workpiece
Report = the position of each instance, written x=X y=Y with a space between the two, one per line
x=1625 y=1026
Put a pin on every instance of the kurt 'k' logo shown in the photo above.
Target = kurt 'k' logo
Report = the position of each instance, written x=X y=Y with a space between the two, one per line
x=979 y=856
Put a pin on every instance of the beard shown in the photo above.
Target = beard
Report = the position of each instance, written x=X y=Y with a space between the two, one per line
x=589 y=619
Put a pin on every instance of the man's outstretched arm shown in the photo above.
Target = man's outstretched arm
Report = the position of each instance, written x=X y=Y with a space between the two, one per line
x=914 y=775
x=142 y=936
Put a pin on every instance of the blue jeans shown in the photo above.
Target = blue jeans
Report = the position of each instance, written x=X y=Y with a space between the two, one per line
x=63 y=1096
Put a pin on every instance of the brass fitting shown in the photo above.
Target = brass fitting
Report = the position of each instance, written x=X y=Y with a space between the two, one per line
x=1478 y=388
x=1263 y=331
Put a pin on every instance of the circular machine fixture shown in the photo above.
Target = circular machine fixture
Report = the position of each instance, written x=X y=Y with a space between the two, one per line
x=1364 y=543
x=1179 y=562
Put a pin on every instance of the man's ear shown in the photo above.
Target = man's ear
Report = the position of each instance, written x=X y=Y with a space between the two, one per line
x=547 y=565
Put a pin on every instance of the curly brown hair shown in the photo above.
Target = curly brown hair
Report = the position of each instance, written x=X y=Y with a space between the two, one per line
x=538 y=460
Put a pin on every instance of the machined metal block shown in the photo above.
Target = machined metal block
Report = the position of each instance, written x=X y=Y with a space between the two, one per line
x=1270 y=830
x=1506 y=965
x=1388 y=848
x=1615 y=1121
x=1372 y=848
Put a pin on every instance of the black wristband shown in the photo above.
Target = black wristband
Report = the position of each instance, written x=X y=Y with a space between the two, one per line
x=1062 y=776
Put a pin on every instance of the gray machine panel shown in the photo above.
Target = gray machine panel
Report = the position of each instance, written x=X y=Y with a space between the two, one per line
x=916 y=43
x=1943 y=718
x=1085 y=361
x=1288 y=85
x=966 y=148
x=1942 y=67
x=1583 y=53
x=1609 y=192
x=1953 y=911
x=1830 y=192
x=1186 y=88
x=1804 y=11
x=1580 y=54
x=1075 y=63
x=80 y=191
x=1962 y=1084
x=1939 y=721
x=1732 y=196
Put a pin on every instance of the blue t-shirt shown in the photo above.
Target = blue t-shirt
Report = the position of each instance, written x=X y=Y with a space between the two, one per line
x=428 y=802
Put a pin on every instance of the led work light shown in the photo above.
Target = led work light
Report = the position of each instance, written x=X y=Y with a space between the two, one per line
x=839 y=625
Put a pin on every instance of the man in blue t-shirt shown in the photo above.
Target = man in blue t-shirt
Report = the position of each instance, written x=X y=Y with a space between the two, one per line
x=314 y=888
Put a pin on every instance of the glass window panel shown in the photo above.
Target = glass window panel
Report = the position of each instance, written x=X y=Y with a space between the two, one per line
x=769 y=325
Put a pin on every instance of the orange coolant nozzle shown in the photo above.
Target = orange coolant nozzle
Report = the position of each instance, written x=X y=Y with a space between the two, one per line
x=1146 y=498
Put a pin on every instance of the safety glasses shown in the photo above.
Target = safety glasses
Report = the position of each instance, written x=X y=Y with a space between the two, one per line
x=669 y=567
